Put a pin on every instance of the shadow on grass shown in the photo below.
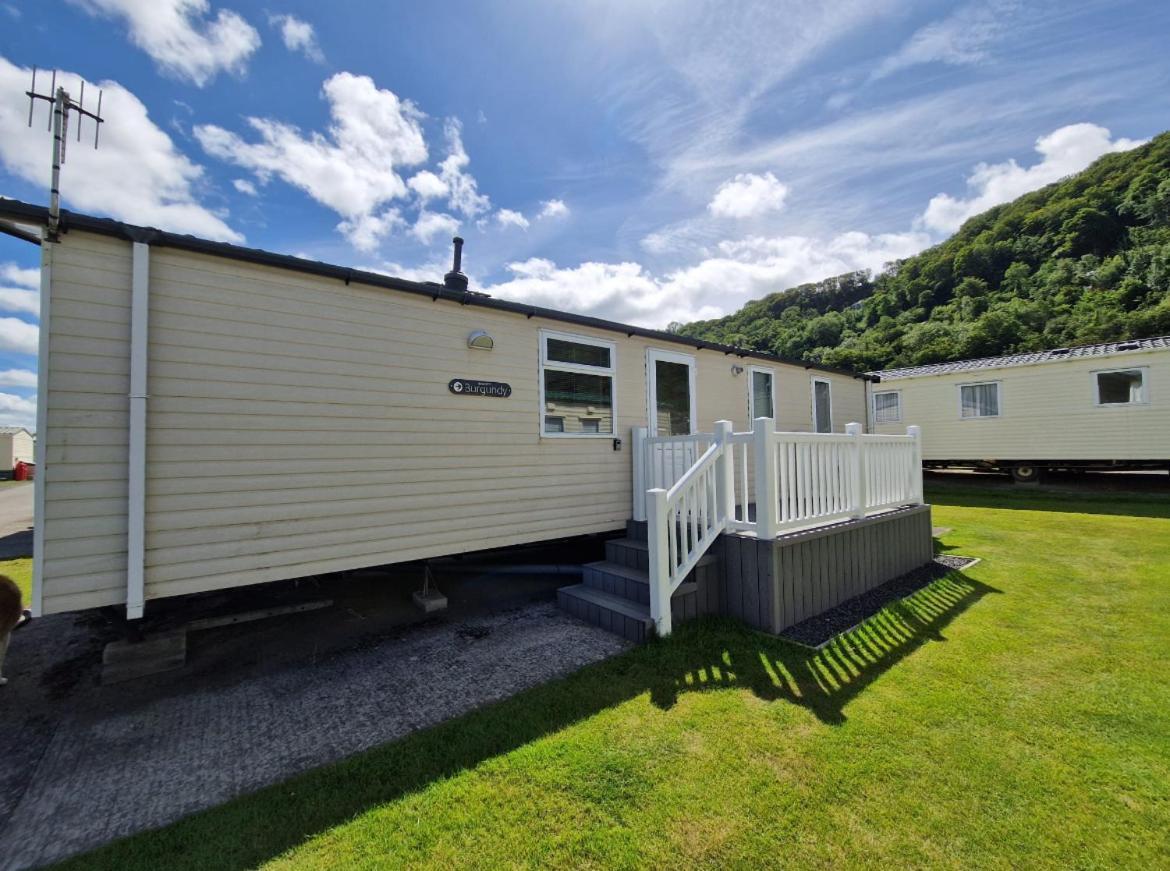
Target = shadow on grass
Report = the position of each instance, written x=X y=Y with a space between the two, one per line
x=704 y=656
x=1087 y=499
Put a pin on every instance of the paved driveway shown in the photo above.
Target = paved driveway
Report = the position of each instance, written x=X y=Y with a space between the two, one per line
x=16 y=520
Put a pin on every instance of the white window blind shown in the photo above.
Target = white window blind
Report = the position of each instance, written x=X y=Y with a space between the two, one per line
x=887 y=407
x=979 y=400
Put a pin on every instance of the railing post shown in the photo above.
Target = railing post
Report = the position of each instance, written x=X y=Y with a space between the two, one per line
x=724 y=474
x=638 y=446
x=767 y=498
x=857 y=470
x=657 y=519
x=915 y=432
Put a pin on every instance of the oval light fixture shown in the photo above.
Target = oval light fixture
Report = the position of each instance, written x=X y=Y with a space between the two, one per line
x=481 y=341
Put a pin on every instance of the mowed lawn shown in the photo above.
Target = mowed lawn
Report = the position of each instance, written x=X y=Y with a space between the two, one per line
x=1014 y=715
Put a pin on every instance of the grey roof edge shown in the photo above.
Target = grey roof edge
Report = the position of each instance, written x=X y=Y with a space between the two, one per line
x=1096 y=350
x=152 y=236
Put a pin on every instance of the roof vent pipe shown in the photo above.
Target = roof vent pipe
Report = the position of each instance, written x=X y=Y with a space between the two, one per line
x=455 y=279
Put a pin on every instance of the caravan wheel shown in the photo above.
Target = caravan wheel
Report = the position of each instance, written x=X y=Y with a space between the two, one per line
x=1025 y=473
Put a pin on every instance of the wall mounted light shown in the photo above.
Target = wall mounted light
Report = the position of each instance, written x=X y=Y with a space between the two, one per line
x=481 y=341
x=736 y=369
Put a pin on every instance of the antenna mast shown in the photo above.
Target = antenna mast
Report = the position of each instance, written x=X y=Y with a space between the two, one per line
x=60 y=105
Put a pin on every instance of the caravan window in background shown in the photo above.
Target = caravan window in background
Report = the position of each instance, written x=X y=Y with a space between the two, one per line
x=576 y=385
x=979 y=400
x=1121 y=387
x=887 y=407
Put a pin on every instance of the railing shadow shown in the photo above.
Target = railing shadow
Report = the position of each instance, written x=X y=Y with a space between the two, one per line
x=704 y=656
x=824 y=681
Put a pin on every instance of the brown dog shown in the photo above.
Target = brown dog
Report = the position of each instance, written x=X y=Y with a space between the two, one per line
x=12 y=615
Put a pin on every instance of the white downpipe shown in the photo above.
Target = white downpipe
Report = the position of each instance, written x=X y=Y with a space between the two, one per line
x=40 y=449
x=136 y=527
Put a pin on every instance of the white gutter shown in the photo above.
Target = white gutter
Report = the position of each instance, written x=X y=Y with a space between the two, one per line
x=40 y=448
x=136 y=506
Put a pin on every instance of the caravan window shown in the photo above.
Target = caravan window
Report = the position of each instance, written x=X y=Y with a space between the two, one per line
x=761 y=399
x=887 y=406
x=822 y=401
x=1121 y=387
x=979 y=400
x=576 y=385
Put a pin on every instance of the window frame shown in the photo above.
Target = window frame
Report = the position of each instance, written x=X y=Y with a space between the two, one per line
x=543 y=363
x=653 y=355
x=771 y=373
x=813 y=380
x=1095 y=386
x=873 y=400
x=998 y=399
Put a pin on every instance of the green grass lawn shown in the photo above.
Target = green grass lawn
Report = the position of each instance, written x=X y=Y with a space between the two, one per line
x=20 y=570
x=1015 y=715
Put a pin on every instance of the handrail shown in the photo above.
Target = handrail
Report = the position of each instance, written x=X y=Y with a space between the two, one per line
x=792 y=480
x=683 y=522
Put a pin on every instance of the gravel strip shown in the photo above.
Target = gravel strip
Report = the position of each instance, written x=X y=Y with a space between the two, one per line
x=105 y=770
x=818 y=631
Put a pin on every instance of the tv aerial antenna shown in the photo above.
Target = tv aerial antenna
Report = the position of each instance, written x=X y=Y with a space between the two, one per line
x=61 y=105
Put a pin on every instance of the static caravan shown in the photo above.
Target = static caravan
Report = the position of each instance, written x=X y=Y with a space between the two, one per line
x=1103 y=406
x=16 y=446
x=213 y=416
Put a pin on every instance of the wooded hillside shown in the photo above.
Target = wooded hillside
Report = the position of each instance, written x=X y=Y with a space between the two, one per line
x=1084 y=260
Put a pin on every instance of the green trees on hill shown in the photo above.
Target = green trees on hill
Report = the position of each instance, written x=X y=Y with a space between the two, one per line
x=1084 y=260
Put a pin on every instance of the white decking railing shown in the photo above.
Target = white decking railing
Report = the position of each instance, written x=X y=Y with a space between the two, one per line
x=763 y=482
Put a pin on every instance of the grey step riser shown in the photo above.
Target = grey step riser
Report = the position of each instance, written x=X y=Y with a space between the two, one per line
x=603 y=617
x=616 y=585
x=625 y=554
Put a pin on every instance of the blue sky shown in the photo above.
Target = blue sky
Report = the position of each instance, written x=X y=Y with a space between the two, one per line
x=645 y=161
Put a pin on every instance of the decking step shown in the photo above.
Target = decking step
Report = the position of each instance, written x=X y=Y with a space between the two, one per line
x=624 y=581
x=636 y=553
x=631 y=620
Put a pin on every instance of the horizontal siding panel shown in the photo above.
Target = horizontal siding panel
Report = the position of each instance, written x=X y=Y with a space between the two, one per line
x=93 y=599
x=298 y=558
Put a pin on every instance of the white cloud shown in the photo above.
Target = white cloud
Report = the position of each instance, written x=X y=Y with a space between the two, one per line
x=20 y=276
x=732 y=273
x=17 y=299
x=430 y=224
x=1063 y=152
x=138 y=175
x=18 y=411
x=958 y=40
x=245 y=187
x=748 y=195
x=352 y=168
x=510 y=218
x=427 y=186
x=366 y=231
x=18 y=336
x=462 y=193
x=18 y=378
x=181 y=37
x=298 y=35
x=553 y=209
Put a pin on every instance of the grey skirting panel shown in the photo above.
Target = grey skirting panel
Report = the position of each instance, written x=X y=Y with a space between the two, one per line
x=772 y=585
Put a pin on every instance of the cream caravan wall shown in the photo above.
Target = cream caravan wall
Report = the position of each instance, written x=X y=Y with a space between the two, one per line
x=300 y=425
x=1047 y=412
x=23 y=447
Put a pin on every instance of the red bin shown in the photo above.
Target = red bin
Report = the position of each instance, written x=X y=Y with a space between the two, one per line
x=24 y=471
